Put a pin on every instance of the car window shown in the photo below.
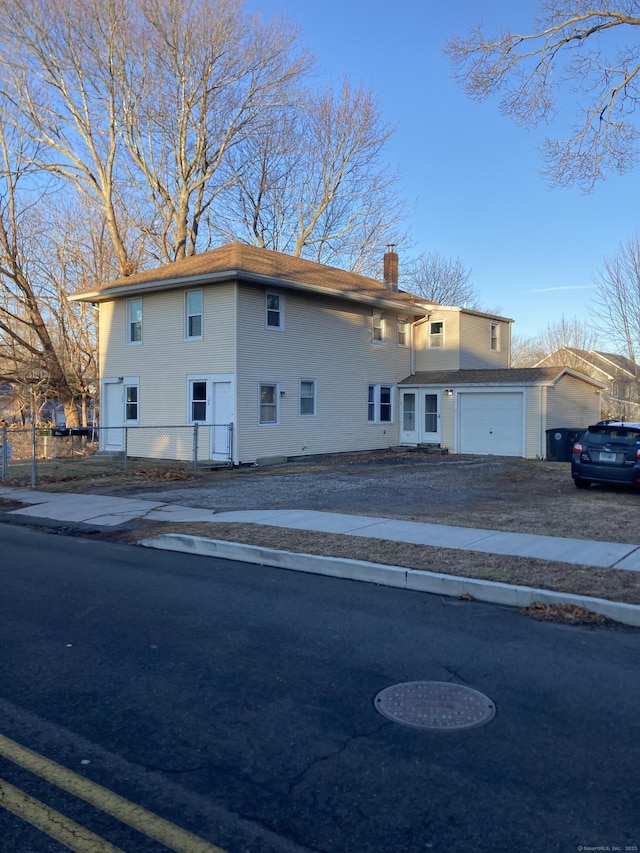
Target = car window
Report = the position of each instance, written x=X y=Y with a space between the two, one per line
x=618 y=435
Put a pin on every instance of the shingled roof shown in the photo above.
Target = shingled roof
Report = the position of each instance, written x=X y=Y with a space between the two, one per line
x=241 y=261
x=495 y=376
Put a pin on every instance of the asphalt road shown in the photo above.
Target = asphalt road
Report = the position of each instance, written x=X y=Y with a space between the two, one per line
x=238 y=702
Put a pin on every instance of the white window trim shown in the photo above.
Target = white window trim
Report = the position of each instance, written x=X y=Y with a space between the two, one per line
x=199 y=377
x=383 y=327
x=131 y=383
x=187 y=336
x=403 y=323
x=442 y=338
x=315 y=399
x=129 y=303
x=377 y=405
x=280 y=327
x=496 y=337
x=275 y=385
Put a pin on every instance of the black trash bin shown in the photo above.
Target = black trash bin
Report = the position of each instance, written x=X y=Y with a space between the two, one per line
x=560 y=443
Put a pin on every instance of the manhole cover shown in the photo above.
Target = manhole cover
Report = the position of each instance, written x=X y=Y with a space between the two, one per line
x=435 y=705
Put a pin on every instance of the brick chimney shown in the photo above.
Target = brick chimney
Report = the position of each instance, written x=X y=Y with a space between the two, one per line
x=391 y=268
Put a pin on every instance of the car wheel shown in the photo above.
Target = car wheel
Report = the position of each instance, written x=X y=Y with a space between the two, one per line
x=582 y=484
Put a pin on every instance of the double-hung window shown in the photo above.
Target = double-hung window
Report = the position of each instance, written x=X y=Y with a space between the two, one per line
x=197 y=401
x=380 y=404
x=495 y=337
x=377 y=326
x=274 y=310
x=134 y=321
x=193 y=314
x=268 y=403
x=307 y=396
x=131 y=403
x=403 y=323
x=436 y=334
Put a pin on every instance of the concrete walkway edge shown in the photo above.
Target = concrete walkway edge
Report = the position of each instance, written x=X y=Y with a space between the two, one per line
x=395 y=576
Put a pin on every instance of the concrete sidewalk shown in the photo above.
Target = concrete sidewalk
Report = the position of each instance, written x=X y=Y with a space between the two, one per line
x=108 y=511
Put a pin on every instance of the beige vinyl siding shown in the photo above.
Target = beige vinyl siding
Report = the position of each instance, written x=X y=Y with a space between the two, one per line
x=475 y=342
x=447 y=420
x=326 y=340
x=447 y=357
x=165 y=359
x=535 y=407
x=572 y=403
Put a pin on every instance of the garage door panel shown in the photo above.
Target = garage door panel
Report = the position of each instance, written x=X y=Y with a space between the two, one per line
x=491 y=423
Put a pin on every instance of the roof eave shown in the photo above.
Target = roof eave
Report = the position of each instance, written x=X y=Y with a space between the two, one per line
x=116 y=292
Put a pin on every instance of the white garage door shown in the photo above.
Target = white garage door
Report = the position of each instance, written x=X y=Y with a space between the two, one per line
x=491 y=423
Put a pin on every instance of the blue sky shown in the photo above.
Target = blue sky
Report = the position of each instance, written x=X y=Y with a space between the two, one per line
x=472 y=177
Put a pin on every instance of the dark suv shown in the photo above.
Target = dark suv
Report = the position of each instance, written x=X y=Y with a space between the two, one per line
x=608 y=452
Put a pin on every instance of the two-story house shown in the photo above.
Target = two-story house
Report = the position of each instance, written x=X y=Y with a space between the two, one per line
x=304 y=359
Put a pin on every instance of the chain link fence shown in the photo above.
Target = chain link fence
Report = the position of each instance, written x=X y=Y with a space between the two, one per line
x=33 y=454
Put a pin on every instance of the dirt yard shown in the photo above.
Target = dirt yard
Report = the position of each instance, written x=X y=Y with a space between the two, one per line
x=496 y=493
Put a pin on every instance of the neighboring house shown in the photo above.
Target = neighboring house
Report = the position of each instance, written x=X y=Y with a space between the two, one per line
x=306 y=359
x=620 y=377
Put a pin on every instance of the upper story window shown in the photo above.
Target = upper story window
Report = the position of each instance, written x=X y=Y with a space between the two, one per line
x=134 y=321
x=436 y=334
x=275 y=311
x=193 y=314
x=377 y=326
x=403 y=324
x=307 y=397
x=495 y=337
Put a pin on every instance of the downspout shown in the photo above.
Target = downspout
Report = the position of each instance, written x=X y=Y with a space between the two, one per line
x=413 y=350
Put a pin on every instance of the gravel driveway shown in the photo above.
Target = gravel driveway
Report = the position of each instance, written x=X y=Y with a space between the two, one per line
x=500 y=493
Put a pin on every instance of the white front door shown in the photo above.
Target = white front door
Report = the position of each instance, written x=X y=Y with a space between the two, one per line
x=221 y=434
x=112 y=410
x=409 y=418
x=431 y=417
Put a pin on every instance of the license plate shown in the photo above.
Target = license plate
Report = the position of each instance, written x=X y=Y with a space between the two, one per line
x=607 y=457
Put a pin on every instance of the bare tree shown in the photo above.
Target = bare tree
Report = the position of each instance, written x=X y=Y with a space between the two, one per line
x=556 y=342
x=441 y=279
x=526 y=351
x=595 y=52
x=315 y=184
x=618 y=289
x=23 y=326
x=135 y=104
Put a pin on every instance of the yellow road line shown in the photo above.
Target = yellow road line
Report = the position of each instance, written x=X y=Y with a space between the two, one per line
x=151 y=825
x=51 y=822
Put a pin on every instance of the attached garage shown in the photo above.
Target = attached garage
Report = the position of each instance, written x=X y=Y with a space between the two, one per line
x=491 y=422
x=495 y=412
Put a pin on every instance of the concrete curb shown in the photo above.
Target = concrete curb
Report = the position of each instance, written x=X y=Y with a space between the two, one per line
x=395 y=576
